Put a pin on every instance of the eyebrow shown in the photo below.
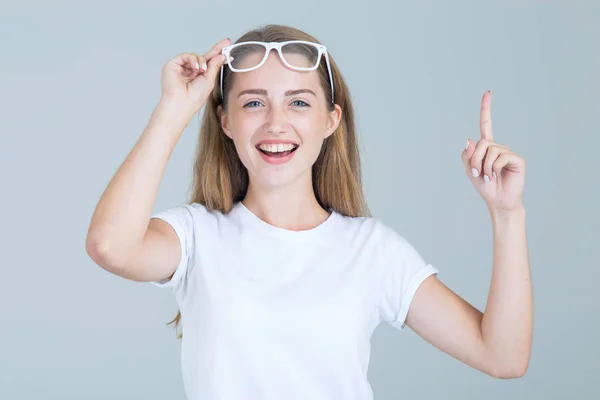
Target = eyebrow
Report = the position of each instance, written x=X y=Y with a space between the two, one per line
x=263 y=92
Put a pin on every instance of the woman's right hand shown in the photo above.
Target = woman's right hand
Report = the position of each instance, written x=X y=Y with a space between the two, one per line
x=189 y=78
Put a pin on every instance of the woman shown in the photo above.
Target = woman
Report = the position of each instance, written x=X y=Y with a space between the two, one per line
x=279 y=272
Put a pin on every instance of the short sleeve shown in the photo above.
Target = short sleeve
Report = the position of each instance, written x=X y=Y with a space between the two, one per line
x=403 y=272
x=182 y=221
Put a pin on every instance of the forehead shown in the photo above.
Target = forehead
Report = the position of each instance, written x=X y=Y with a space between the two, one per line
x=274 y=74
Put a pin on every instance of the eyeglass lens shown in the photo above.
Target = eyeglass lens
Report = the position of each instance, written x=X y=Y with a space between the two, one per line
x=250 y=55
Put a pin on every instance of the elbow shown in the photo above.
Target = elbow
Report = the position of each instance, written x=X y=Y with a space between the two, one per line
x=103 y=254
x=509 y=370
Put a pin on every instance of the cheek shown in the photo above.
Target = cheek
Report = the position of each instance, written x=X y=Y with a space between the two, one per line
x=311 y=129
x=242 y=128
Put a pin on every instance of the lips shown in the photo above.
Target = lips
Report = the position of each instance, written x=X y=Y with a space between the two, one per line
x=276 y=151
x=277 y=148
x=274 y=147
x=276 y=141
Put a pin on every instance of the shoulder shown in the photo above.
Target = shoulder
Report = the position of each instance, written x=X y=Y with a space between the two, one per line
x=192 y=215
x=370 y=226
x=188 y=210
x=373 y=232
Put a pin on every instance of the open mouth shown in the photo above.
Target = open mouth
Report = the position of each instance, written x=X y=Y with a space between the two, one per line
x=277 y=150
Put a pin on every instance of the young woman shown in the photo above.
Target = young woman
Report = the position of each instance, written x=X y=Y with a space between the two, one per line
x=280 y=273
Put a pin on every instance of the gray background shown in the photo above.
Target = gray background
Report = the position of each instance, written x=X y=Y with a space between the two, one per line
x=78 y=83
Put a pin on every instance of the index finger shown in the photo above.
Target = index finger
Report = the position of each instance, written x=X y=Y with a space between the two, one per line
x=216 y=50
x=485 y=117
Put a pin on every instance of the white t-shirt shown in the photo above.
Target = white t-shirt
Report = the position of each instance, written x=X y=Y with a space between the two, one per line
x=269 y=313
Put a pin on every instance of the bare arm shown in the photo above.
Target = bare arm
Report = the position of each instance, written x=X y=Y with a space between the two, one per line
x=497 y=342
x=118 y=237
x=507 y=323
x=121 y=238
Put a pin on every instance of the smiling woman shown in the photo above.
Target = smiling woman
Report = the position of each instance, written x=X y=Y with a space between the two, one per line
x=280 y=273
x=277 y=105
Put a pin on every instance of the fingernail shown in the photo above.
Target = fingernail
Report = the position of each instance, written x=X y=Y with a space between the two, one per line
x=204 y=66
x=494 y=174
x=197 y=65
x=486 y=178
x=474 y=172
x=467 y=146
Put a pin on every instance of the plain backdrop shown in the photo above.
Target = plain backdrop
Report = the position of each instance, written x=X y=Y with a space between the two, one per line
x=78 y=81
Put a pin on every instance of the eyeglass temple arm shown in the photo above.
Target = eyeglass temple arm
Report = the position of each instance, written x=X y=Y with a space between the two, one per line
x=330 y=77
x=221 y=83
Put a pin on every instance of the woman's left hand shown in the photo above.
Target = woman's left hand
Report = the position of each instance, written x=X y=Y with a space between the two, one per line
x=497 y=173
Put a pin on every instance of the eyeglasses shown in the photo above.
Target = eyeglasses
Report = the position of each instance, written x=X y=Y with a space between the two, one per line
x=298 y=55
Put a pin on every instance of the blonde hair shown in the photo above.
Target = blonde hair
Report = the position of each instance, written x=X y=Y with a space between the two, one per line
x=220 y=180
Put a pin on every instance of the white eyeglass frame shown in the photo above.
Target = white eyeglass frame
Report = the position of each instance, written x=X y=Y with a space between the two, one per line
x=278 y=46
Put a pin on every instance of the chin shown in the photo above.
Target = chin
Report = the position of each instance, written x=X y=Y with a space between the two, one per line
x=273 y=179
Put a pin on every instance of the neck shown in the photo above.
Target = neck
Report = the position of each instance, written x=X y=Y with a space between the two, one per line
x=292 y=207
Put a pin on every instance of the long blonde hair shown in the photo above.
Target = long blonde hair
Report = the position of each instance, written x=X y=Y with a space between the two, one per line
x=220 y=180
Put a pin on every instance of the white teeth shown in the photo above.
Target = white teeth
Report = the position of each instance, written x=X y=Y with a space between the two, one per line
x=276 y=148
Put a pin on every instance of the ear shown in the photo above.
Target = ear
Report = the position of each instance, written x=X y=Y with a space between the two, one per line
x=333 y=120
x=224 y=121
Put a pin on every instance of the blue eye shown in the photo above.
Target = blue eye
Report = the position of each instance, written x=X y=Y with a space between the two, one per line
x=248 y=105
x=300 y=103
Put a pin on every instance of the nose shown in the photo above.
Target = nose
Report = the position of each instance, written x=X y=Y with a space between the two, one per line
x=276 y=121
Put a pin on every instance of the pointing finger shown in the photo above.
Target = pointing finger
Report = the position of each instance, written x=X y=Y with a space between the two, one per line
x=485 y=118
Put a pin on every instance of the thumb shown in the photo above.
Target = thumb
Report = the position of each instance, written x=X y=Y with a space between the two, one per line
x=466 y=157
x=214 y=65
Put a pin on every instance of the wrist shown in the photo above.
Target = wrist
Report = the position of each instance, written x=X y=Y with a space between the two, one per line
x=177 y=107
x=173 y=113
x=502 y=215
